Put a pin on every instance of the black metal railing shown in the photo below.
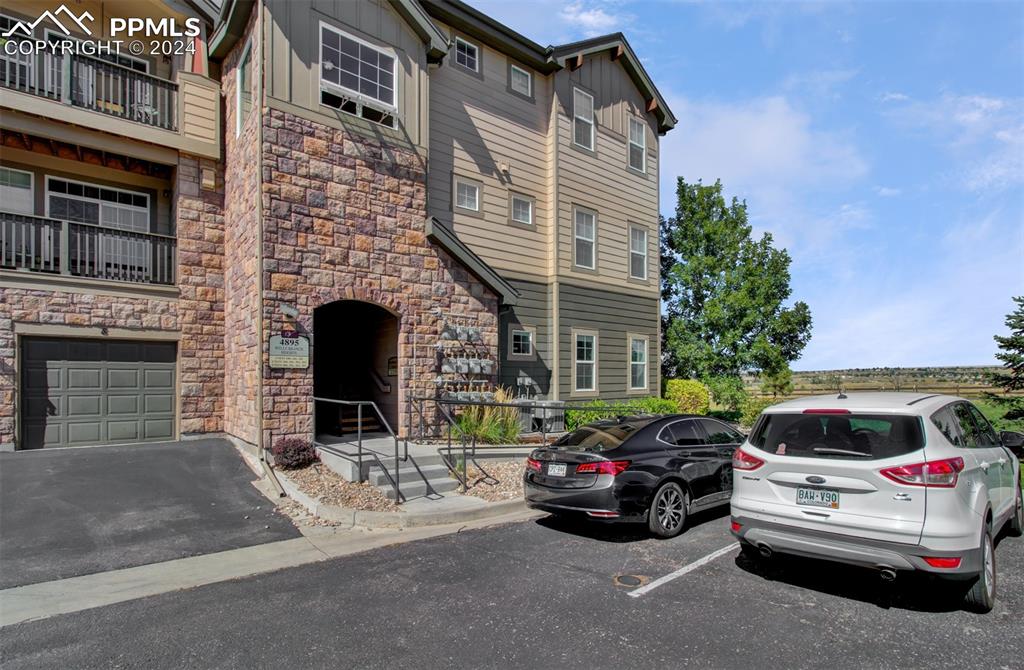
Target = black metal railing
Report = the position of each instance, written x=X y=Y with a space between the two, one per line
x=40 y=244
x=94 y=84
x=394 y=481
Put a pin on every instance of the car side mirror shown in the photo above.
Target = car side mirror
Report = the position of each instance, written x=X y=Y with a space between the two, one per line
x=1013 y=441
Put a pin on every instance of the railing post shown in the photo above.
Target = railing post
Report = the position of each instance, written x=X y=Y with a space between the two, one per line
x=65 y=79
x=359 y=437
x=65 y=248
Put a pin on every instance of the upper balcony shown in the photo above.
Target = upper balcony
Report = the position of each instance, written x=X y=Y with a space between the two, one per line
x=96 y=93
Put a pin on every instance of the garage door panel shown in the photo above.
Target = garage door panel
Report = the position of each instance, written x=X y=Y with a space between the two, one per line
x=159 y=404
x=122 y=379
x=85 y=378
x=122 y=404
x=158 y=379
x=80 y=406
x=158 y=429
x=84 y=392
x=122 y=430
x=85 y=432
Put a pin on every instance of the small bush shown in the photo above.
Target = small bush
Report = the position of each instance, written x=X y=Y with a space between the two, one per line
x=291 y=453
x=490 y=425
x=752 y=409
x=727 y=392
x=603 y=409
x=653 y=405
x=688 y=396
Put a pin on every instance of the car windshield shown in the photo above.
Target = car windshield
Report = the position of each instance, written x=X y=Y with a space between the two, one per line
x=843 y=436
x=597 y=437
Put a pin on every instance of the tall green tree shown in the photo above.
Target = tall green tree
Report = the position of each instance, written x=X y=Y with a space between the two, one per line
x=724 y=292
x=1011 y=353
x=778 y=382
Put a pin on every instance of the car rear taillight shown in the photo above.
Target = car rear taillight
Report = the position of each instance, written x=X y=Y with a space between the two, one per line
x=736 y=525
x=602 y=468
x=938 y=474
x=943 y=561
x=741 y=460
x=533 y=464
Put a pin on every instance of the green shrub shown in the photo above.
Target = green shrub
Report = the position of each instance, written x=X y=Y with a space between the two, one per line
x=752 y=409
x=603 y=409
x=727 y=392
x=291 y=453
x=490 y=425
x=688 y=396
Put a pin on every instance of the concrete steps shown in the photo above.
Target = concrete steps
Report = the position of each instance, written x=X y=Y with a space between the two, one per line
x=423 y=474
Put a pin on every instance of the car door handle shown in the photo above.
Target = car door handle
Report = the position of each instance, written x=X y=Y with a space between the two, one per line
x=984 y=465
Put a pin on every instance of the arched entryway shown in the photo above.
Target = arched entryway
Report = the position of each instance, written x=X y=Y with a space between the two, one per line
x=355 y=358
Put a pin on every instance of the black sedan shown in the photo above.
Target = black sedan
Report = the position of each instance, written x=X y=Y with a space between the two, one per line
x=653 y=469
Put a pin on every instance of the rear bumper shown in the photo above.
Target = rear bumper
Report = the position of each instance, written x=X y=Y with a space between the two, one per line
x=853 y=551
x=604 y=500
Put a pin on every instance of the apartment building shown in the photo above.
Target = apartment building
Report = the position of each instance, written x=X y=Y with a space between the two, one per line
x=425 y=200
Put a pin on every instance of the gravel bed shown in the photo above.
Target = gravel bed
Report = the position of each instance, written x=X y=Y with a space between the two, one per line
x=510 y=480
x=320 y=482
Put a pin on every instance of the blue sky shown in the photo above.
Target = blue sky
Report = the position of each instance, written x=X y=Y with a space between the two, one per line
x=881 y=143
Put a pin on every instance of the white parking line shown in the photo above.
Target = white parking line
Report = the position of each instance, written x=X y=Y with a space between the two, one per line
x=683 y=570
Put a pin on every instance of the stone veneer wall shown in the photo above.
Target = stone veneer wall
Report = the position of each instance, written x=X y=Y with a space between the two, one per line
x=344 y=218
x=242 y=239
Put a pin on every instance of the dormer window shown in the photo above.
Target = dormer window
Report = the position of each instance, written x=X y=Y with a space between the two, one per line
x=357 y=77
x=467 y=55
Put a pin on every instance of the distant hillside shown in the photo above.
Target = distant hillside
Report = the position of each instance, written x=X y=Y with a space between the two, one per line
x=967 y=380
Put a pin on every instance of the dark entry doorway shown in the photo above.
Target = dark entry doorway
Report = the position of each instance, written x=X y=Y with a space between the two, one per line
x=355 y=358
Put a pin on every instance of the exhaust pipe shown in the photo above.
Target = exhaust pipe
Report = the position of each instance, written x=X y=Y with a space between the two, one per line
x=887 y=574
x=765 y=550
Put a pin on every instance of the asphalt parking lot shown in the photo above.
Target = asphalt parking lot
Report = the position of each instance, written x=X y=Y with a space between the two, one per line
x=70 y=512
x=543 y=594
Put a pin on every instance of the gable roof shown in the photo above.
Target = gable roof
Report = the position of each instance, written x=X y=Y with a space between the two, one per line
x=478 y=25
x=442 y=235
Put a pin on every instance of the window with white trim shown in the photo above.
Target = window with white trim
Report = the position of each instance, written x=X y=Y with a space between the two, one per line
x=467 y=54
x=585 y=362
x=637 y=145
x=357 y=77
x=467 y=195
x=16 y=191
x=585 y=238
x=522 y=342
x=583 y=119
x=99 y=205
x=522 y=209
x=637 y=252
x=17 y=70
x=244 y=86
x=638 y=363
x=520 y=81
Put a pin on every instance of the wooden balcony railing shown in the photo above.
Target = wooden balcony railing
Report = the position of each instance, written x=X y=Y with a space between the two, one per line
x=94 y=84
x=37 y=244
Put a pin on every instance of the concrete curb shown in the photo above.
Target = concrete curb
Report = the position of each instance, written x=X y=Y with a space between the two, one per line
x=369 y=519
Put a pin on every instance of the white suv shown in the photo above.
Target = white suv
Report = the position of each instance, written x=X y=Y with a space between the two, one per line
x=893 y=481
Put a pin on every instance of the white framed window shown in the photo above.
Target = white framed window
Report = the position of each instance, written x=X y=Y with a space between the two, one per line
x=467 y=195
x=585 y=361
x=583 y=119
x=584 y=239
x=521 y=209
x=16 y=191
x=522 y=342
x=637 y=145
x=243 y=84
x=467 y=54
x=82 y=202
x=520 y=81
x=17 y=70
x=638 y=363
x=637 y=252
x=357 y=73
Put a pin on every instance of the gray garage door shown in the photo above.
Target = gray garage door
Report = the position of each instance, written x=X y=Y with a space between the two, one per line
x=78 y=392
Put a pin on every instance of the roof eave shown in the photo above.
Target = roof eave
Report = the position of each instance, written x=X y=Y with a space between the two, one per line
x=441 y=235
x=230 y=27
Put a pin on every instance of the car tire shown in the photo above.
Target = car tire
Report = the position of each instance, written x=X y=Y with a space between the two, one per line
x=1016 y=525
x=667 y=515
x=982 y=596
x=750 y=552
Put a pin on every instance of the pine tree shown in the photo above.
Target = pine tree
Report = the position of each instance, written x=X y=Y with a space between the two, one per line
x=1011 y=377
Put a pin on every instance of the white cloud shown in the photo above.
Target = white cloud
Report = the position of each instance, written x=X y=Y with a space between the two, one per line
x=887 y=192
x=819 y=83
x=894 y=96
x=592 y=19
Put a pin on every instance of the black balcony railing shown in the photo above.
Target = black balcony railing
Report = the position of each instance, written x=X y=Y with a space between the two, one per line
x=37 y=244
x=93 y=83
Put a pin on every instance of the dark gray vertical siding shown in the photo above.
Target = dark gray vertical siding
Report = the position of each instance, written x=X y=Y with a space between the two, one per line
x=532 y=310
x=612 y=315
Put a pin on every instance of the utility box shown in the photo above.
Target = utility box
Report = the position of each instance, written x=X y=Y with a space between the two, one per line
x=549 y=415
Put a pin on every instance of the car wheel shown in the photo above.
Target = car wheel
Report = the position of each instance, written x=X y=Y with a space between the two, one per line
x=1016 y=528
x=982 y=596
x=750 y=552
x=667 y=516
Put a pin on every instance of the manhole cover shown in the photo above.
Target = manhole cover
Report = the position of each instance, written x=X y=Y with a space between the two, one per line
x=631 y=580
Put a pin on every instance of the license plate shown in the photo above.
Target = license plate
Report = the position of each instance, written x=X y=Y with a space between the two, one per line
x=556 y=469
x=818 y=498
